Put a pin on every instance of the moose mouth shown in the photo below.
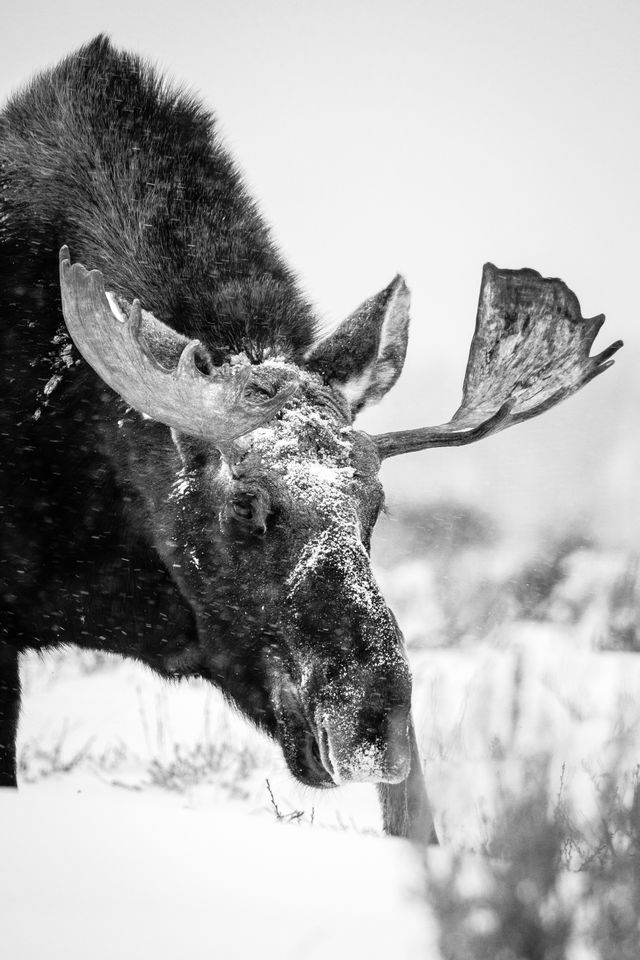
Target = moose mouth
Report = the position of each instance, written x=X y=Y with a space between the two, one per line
x=304 y=745
x=304 y=752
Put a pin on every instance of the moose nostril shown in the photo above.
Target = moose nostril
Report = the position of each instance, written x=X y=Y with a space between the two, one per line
x=323 y=750
x=314 y=755
x=315 y=752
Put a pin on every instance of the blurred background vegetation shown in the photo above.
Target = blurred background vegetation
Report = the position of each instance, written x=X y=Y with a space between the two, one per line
x=453 y=576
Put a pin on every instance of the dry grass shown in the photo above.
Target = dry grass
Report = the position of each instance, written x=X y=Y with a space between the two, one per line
x=453 y=580
x=546 y=889
x=167 y=763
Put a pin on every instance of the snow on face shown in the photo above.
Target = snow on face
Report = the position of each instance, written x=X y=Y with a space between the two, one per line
x=339 y=654
x=382 y=754
x=319 y=475
x=309 y=448
x=325 y=475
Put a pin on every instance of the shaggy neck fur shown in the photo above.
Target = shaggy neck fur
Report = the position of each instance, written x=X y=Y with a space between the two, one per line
x=101 y=153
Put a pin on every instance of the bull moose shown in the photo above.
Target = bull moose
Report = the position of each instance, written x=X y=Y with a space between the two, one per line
x=182 y=482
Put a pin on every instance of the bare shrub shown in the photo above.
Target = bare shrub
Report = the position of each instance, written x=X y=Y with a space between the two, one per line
x=546 y=884
x=452 y=580
x=513 y=907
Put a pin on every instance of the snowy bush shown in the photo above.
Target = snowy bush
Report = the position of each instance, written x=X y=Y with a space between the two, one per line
x=546 y=889
x=452 y=579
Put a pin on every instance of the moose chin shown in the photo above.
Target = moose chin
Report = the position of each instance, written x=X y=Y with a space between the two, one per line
x=182 y=480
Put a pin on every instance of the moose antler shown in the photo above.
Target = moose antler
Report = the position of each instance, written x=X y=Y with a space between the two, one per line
x=529 y=351
x=220 y=406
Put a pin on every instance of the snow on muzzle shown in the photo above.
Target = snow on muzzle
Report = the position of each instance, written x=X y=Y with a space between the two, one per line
x=355 y=682
x=362 y=737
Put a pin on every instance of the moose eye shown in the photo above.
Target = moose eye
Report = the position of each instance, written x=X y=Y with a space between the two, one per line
x=242 y=509
x=250 y=511
x=260 y=392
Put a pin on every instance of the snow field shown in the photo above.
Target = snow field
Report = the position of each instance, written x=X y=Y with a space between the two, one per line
x=122 y=875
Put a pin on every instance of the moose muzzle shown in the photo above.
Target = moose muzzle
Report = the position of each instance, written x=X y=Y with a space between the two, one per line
x=353 y=685
x=377 y=755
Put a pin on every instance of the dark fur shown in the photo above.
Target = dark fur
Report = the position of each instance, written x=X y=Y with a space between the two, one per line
x=98 y=534
x=101 y=154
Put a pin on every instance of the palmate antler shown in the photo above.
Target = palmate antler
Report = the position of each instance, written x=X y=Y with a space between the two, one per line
x=529 y=351
x=219 y=406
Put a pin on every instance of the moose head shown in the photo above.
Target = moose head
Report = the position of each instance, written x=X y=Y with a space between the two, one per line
x=267 y=495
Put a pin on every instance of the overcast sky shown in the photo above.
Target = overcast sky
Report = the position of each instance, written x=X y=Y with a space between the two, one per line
x=427 y=138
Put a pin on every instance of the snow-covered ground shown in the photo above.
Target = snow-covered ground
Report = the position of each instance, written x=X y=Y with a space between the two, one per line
x=482 y=714
x=116 y=874
x=152 y=819
x=487 y=716
x=117 y=724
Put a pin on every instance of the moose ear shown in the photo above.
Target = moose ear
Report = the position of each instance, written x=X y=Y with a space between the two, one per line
x=363 y=358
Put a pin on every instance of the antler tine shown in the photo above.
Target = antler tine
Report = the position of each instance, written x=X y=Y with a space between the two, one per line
x=445 y=435
x=530 y=350
x=215 y=407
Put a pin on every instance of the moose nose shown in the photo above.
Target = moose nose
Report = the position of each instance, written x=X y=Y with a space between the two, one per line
x=349 y=758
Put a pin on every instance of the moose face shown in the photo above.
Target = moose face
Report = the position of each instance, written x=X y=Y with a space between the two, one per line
x=267 y=519
x=311 y=648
